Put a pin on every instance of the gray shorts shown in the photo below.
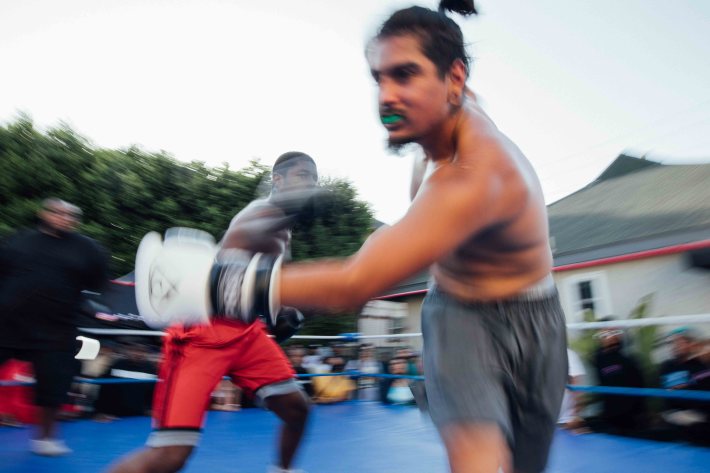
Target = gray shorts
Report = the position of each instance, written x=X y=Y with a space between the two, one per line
x=502 y=362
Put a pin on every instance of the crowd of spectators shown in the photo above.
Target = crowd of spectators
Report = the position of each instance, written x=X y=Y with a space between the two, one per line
x=355 y=362
x=133 y=363
x=339 y=372
x=684 y=364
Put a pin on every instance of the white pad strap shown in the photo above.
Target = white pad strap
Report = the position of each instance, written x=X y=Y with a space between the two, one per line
x=89 y=348
x=275 y=290
x=246 y=302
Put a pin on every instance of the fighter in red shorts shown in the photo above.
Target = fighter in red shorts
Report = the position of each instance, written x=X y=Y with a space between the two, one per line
x=195 y=358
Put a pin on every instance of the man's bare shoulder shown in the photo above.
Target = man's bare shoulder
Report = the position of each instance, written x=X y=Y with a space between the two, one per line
x=479 y=135
x=253 y=209
x=489 y=166
x=481 y=144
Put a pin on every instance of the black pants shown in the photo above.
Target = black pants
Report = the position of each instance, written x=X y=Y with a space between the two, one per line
x=53 y=370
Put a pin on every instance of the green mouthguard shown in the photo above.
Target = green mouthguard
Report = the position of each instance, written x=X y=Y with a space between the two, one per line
x=387 y=119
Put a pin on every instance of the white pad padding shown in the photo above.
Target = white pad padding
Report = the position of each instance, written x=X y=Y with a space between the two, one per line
x=89 y=348
x=275 y=290
x=172 y=278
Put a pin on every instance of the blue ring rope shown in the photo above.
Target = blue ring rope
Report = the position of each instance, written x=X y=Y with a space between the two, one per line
x=648 y=392
x=644 y=392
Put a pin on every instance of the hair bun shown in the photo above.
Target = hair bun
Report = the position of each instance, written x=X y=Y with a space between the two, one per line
x=462 y=7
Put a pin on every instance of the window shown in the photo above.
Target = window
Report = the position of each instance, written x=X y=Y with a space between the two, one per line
x=397 y=325
x=586 y=296
x=587 y=292
x=393 y=314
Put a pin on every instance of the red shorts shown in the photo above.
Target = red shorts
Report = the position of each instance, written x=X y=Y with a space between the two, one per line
x=195 y=359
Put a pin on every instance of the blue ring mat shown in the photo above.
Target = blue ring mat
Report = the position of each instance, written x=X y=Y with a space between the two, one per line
x=350 y=437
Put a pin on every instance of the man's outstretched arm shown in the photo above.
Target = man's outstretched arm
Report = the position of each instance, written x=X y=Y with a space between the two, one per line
x=452 y=205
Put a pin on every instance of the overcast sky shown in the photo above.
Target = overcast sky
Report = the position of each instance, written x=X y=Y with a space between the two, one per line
x=572 y=82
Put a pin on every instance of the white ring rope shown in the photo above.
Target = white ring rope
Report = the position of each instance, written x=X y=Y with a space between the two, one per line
x=122 y=331
x=669 y=320
x=624 y=323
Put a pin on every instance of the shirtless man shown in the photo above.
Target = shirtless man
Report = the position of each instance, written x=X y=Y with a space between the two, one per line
x=494 y=332
x=196 y=357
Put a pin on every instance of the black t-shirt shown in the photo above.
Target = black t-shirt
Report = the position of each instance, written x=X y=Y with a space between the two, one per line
x=690 y=374
x=614 y=368
x=41 y=279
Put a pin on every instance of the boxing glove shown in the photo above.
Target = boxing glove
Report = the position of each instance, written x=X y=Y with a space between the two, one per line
x=179 y=281
x=288 y=322
x=172 y=277
x=300 y=205
x=244 y=286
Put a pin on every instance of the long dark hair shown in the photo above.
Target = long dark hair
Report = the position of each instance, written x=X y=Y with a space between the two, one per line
x=440 y=37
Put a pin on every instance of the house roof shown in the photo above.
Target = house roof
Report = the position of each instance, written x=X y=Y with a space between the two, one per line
x=414 y=285
x=634 y=205
x=622 y=165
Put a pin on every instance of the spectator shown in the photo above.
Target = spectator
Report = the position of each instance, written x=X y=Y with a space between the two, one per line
x=365 y=364
x=131 y=398
x=226 y=397
x=397 y=390
x=42 y=274
x=624 y=415
x=330 y=389
x=686 y=370
x=295 y=355
x=342 y=350
x=570 y=417
x=408 y=355
x=313 y=361
x=96 y=368
x=704 y=351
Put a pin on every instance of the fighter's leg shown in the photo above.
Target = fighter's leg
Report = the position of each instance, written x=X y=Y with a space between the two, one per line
x=540 y=382
x=188 y=376
x=476 y=448
x=292 y=409
x=54 y=371
x=467 y=384
x=262 y=368
x=154 y=460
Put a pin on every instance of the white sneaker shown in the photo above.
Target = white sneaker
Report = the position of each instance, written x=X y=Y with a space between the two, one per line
x=49 y=447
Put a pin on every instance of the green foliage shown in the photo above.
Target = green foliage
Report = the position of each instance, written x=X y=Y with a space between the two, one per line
x=584 y=344
x=337 y=228
x=644 y=340
x=641 y=339
x=328 y=324
x=127 y=192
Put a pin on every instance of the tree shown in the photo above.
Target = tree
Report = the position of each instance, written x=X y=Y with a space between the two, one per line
x=126 y=193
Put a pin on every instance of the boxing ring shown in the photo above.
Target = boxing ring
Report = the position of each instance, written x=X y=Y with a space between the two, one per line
x=357 y=436
x=354 y=436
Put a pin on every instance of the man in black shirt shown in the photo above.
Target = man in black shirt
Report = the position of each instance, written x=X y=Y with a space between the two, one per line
x=42 y=274
x=615 y=368
x=686 y=370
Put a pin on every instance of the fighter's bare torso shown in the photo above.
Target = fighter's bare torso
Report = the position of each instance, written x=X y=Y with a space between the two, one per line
x=510 y=254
